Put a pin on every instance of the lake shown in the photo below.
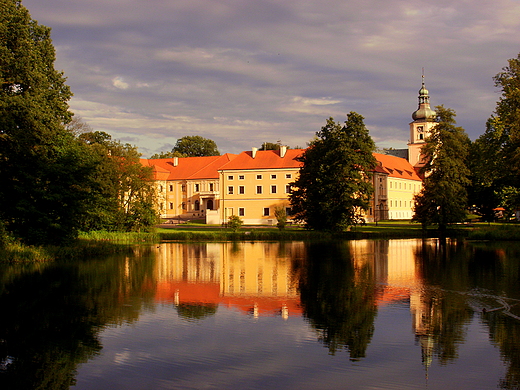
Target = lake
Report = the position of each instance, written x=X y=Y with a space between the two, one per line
x=370 y=314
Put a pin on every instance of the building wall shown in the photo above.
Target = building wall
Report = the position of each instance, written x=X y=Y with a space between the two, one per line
x=400 y=197
x=254 y=194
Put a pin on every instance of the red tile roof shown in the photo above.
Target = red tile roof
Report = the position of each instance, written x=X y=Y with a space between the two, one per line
x=396 y=167
x=265 y=159
x=187 y=167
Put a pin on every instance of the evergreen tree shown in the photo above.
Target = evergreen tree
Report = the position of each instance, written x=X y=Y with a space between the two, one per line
x=333 y=187
x=443 y=199
x=43 y=168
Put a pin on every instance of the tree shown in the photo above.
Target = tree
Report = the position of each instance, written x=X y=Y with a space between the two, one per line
x=333 y=186
x=171 y=154
x=196 y=146
x=122 y=196
x=443 y=199
x=235 y=223
x=44 y=170
x=281 y=216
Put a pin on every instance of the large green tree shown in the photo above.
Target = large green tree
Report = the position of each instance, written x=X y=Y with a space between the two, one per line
x=43 y=168
x=122 y=196
x=496 y=153
x=333 y=187
x=443 y=199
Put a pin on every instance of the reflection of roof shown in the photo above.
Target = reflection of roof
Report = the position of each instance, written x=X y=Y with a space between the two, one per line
x=390 y=294
x=186 y=168
x=265 y=159
x=208 y=292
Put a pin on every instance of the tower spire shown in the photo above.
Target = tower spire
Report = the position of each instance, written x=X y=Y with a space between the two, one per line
x=424 y=112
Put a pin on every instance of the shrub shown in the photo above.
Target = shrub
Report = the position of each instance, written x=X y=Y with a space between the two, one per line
x=234 y=223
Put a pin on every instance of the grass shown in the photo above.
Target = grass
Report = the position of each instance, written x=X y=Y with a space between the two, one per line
x=101 y=242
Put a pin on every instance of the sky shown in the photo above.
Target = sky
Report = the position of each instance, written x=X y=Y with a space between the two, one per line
x=244 y=72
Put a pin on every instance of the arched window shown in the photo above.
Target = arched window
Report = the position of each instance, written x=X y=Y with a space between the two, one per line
x=197 y=205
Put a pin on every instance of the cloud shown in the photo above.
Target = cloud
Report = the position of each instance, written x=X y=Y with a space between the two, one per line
x=276 y=69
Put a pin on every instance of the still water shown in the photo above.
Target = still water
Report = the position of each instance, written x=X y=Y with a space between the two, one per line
x=394 y=314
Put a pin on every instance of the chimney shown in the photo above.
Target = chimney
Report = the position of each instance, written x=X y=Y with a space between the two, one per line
x=253 y=152
x=283 y=150
x=175 y=161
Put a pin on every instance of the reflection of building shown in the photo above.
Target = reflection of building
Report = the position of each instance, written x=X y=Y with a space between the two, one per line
x=256 y=279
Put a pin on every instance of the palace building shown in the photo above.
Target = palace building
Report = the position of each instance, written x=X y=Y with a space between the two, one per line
x=253 y=183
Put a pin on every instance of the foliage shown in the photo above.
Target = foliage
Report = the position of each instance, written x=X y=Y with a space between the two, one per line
x=235 y=223
x=333 y=185
x=281 y=217
x=444 y=195
x=170 y=154
x=122 y=197
x=44 y=170
x=271 y=145
x=196 y=146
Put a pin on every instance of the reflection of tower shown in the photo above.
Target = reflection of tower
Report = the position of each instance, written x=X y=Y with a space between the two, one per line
x=423 y=311
x=423 y=121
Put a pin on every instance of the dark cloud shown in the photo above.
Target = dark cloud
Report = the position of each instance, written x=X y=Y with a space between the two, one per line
x=244 y=72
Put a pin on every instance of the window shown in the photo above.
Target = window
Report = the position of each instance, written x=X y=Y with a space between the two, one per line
x=273 y=189
x=258 y=177
x=266 y=211
x=183 y=188
x=241 y=190
x=197 y=205
x=230 y=177
x=171 y=187
x=288 y=176
x=197 y=187
x=288 y=211
x=183 y=206
x=241 y=177
x=171 y=206
x=211 y=186
x=273 y=177
x=287 y=189
x=230 y=190
x=160 y=188
x=241 y=212
x=258 y=189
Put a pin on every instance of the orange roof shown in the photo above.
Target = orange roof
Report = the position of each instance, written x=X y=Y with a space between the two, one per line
x=185 y=168
x=396 y=167
x=265 y=159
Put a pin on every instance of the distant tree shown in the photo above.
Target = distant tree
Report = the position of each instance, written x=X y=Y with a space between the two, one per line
x=272 y=145
x=44 y=170
x=78 y=126
x=196 y=146
x=333 y=186
x=171 y=154
x=443 y=199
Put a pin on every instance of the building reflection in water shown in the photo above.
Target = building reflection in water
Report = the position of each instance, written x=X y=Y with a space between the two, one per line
x=252 y=277
x=262 y=279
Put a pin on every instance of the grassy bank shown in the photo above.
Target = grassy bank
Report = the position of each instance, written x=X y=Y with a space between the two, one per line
x=199 y=232
x=87 y=245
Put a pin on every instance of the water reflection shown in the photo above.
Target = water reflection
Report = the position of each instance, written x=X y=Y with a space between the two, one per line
x=58 y=312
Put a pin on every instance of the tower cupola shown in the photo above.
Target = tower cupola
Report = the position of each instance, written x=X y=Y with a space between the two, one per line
x=424 y=112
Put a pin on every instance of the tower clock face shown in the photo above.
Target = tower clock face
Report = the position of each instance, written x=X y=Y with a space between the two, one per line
x=420 y=129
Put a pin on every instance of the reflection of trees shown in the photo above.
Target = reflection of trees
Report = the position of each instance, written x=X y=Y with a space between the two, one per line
x=440 y=312
x=337 y=298
x=195 y=312
x=498 y=269
x=52 y=316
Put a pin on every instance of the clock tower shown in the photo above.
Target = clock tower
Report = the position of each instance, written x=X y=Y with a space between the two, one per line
x=423 y=121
